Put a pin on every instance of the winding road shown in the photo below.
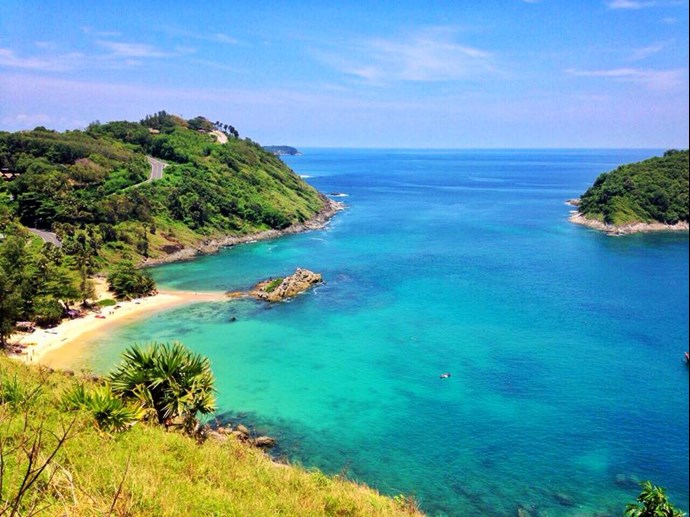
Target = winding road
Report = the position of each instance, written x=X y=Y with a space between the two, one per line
x=156 y=173
x=157 y=167
x=49 y=237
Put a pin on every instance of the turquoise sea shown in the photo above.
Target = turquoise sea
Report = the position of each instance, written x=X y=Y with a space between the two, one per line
x=565 y=346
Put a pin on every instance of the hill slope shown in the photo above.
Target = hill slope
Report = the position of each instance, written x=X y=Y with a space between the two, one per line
x=94 y=180
x=148 y=470
x=654 y=191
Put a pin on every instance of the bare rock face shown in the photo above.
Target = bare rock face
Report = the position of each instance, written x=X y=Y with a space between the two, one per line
x=278 y=290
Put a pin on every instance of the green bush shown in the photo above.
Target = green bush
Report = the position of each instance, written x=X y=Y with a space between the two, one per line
x=172 y=383
x=110 y=413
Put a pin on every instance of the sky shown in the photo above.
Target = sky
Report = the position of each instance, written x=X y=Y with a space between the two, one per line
x=400 y=74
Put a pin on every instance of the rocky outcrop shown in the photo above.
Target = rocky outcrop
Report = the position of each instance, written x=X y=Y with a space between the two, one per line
x=279 y=289
x=265 y=442
x=288 y=287
x=626 y=229
x=242 y=434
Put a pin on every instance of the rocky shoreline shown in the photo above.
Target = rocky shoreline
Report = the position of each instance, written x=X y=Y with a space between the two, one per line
x=206 y=247
x=627 y=229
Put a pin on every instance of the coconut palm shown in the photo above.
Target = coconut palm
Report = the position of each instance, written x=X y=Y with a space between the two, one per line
x=172 y=383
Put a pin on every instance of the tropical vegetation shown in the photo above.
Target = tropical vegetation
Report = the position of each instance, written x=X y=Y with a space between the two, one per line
x=654 y=190
x=655 y=503
x=168 y=381
x=92 y=189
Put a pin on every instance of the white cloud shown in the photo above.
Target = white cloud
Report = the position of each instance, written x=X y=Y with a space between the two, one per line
x=661 y=80
x=224 y=38
x=26 y=120
x=644 y=52
x=57 y=63
x=139 y=50
x=428 y=56
x=101 y=34
x=629 y=4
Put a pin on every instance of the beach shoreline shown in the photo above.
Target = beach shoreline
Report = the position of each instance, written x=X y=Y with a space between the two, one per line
x=57 y=347
x=627 y=229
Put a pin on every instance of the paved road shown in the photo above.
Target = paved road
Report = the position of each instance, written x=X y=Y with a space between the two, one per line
x=157 y=167
x=46 y=236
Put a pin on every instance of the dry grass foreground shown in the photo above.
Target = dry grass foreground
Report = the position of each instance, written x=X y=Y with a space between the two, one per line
x=149 y=471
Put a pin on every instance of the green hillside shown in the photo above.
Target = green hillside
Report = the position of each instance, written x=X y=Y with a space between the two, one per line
x=146 y=470
x=93 y=190
x=654 y=190
x=94 y=180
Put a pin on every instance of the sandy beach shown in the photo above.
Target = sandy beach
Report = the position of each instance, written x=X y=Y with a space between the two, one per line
x=59 y=346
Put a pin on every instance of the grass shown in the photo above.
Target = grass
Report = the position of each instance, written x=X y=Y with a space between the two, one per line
x=273 y=284
x=150 y=471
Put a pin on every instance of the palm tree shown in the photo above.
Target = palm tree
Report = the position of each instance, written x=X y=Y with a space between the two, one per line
x=655 y=503
x=172 y=383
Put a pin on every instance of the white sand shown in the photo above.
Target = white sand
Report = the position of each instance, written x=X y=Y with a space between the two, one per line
x=42 y=346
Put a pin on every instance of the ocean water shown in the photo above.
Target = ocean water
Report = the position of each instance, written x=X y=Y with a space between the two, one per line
x=564 y=345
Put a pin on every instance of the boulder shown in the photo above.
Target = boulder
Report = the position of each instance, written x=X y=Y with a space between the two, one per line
x=264 y=441
x=240 y=436
x=242 y=430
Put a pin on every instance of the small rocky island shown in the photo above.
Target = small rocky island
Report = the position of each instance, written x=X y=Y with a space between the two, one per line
x=282 y=288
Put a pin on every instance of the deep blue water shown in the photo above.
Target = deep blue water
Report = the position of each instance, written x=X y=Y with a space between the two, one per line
x=565 y=345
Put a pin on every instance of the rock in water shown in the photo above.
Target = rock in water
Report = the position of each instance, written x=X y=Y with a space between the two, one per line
x=264 y=441
x=290 y=286
x=242 y=430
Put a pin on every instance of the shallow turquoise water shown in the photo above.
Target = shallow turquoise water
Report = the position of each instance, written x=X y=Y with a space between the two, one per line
x=565 y=345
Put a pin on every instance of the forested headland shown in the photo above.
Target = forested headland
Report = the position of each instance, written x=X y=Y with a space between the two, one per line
x=106 y=210
x=651 y=191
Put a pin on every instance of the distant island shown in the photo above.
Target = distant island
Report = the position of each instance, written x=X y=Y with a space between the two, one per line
x=279 y=150
x=651 y=195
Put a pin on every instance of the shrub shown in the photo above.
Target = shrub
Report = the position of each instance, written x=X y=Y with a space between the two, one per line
x=110 y=413
x=172 y=383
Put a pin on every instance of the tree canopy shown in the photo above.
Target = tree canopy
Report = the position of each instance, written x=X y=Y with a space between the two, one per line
x=654 y=190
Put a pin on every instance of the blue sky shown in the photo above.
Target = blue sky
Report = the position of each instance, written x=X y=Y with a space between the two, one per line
x=450 y=74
